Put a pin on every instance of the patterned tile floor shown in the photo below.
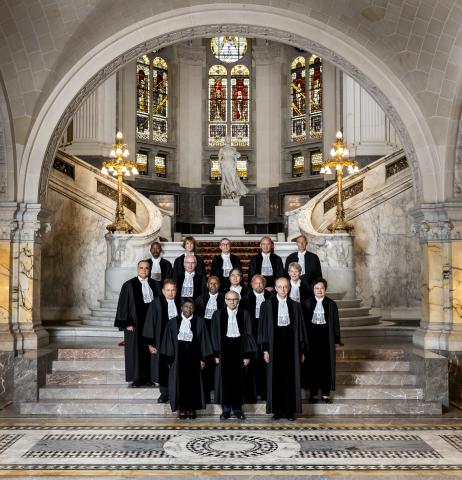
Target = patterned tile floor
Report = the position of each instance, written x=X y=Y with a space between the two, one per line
x=45 y=447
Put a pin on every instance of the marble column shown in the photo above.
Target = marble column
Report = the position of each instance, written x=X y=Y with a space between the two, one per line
x=268 y=113
x=94 y=124
x=126 y=102
x=330 y=116
x=25 y=279
x=191 y=63
x=440 y=231
x=365 y=126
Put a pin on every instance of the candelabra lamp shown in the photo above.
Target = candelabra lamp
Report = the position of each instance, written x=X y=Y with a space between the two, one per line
x=119 y=166
x=339 y=160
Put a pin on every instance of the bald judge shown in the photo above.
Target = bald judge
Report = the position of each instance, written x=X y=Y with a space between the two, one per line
x=266 y=263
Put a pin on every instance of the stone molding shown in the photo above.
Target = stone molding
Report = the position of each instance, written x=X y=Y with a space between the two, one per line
x=438 y=223
x=28 y=224
x=191 y=55
x=231 y=29
x=8 y=222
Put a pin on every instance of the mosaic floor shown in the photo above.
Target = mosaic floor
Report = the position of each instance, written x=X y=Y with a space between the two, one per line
x=219 y=448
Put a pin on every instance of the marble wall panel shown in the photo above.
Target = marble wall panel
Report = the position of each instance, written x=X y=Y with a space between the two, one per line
x=387 y=255
x=73 y=259
x=455 y=377
x=6 y=376
x=456 y=257
x=4 y=281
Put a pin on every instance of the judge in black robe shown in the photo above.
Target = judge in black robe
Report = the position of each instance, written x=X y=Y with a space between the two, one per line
x=323 y=331
x=236 y=283
x=300 y=290
x=160 y=311
x=311 y=266
x=134 y=300
x=218 y=262
x=256 y=264
x=166 y=270
x=186 y=344
x=255 y=378
x=190 y=246
x=233 y=347
x=206 y=306
x=282 y=338
x=198 y=284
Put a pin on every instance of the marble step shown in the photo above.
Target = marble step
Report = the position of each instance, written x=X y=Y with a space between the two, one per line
x=148 y=407
x=348 y=303
x=353 y=312
x=359 y=321
x=111 y=392
x=117 y=377
x=118 y=365
x=342 y=353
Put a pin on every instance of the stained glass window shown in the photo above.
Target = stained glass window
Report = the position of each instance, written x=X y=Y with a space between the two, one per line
x=152 y=99
x=315 y=75
x=298 y=165
x=143 y=97
x=228 y=49
x=316 y=162
x=159 y=99
x=240 y=95
x=142 y=162
x=218 y=104
x=241 y=167
x=160 y=165
x=298 y=99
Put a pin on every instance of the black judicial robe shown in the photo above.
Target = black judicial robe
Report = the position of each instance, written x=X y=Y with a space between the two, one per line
x=217 y=270
x=200 y=285
x=255 y=378
x=166 y=270
x=178 y=266
x=313 y=269
x=285 y=346
x=208 y=373
x=131 y=311
x=306 y=290
x=229 y=373
x=154 y=329
x=201 y=304
x=256 y=264
x=185 y=390
x=320 y=362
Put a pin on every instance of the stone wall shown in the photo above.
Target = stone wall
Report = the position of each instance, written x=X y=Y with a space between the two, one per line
x=73 y=259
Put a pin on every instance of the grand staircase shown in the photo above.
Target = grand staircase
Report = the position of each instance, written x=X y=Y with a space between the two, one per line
x=91 y=381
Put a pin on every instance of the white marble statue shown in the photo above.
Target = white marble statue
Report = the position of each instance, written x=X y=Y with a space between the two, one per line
x=231 y=185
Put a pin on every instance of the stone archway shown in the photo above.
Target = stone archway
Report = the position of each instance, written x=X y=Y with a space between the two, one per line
x=263 y=22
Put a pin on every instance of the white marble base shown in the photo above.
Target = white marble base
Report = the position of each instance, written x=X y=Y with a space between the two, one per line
x=229 y=218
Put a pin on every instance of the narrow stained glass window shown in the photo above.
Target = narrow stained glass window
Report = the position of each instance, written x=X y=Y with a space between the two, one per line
x=215 y=172
x=142 y=97
x=159 y=100
x=315 y=69
x=316 y=162
x=142 y=162
x=298 y=165
x=240 y=96
x=217 y=105
x=241 y=167
x=160 y=165
x=298 y=99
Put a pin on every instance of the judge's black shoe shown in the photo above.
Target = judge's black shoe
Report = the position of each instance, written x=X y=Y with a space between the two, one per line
x=326 y=400
x=224 y=416
x=290 y=417
x=192 y=415
x=183 y=415
x=240 y=416
x=136 y=384
x=277 y=416
x=314 y=400
x=163 y=398
x=150 y=384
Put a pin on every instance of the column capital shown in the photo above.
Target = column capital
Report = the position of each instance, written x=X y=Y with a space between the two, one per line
x=27 y=222
x=438 y=222
x=8 y=222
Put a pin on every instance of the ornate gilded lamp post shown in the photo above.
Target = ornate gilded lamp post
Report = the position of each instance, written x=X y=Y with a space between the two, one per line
x=339 y=160
x=119 y=166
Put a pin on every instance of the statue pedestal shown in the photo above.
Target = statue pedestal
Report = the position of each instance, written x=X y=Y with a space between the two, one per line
x=229 y=218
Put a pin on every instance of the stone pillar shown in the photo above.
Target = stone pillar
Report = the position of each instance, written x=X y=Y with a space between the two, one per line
x=268 y=114
x=190 y=137
x=126 y=101
x=330 y=115
x=25 y=279
x=365 y=127
x=440 y=231
x=94 y=124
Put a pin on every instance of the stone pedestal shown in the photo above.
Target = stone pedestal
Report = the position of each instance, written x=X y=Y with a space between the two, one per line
x=229 y=218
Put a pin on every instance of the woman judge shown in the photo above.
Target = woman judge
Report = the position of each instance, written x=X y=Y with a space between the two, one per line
x=190 y=246
x=323 y=333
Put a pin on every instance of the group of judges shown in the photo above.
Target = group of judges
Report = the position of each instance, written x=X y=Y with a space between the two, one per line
x=195 y=336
